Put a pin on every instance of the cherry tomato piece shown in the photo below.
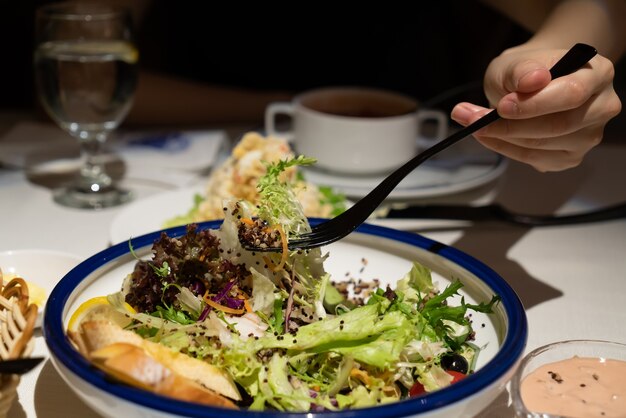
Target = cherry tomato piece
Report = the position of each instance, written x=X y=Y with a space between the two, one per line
x=456 y=376
x=417 y=389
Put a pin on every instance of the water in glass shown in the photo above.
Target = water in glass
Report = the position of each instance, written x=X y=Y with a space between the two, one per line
x=86 y=73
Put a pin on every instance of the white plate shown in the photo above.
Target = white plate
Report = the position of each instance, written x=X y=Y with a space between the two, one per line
x=462 y=167
x=388 y=254
x=43 y=268
x=149 y=214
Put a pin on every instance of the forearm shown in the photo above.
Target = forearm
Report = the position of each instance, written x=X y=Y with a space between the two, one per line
x=164 y=100
x=596 y=22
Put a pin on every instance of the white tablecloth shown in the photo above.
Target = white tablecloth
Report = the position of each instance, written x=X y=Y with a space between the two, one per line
x=571 y=279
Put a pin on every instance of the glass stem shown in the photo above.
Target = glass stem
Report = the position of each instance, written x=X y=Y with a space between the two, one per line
x=93 y=174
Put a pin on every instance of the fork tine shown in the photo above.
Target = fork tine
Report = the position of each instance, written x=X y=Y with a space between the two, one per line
x=319 y=233
x=321 y=230
x=328 y=232
x=306 y=244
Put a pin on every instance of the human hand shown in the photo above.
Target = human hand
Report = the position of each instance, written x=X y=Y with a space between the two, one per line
x=549 y=124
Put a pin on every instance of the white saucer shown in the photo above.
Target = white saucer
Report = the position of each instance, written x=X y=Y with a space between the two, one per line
x=43 y=268
x=463 y=167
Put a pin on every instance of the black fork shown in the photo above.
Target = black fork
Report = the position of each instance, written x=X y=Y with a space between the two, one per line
x=342 y=225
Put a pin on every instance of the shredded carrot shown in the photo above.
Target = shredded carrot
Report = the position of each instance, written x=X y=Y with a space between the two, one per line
x=247 y=221
x=269 y=263
x=284 y=253
x=246 y=304
x=360 y=375
x=223 y=308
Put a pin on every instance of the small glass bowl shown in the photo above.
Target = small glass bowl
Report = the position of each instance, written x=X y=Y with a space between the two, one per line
x=555 y=352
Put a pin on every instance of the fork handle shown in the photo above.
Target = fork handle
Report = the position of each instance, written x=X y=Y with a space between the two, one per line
x=575 y=58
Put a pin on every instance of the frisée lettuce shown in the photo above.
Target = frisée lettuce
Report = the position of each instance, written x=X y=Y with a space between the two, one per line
x=275 y=322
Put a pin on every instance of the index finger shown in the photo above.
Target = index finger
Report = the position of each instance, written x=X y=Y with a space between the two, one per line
x=564 y=93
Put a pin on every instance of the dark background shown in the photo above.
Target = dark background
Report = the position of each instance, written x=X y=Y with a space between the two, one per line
x=437 y=55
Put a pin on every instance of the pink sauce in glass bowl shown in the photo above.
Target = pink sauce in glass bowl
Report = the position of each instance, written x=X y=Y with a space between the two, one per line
x=577 y=379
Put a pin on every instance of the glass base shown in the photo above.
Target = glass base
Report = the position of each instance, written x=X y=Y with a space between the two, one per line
x=79 y=198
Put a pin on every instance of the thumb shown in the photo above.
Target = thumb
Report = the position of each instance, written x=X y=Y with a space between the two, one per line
x=526 y=76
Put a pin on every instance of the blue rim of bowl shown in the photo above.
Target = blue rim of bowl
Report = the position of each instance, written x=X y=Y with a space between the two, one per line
x=505 y=359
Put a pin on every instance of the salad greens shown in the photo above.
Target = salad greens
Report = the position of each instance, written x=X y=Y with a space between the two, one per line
x=275 y=322
x=187 y=217
x=279 y=205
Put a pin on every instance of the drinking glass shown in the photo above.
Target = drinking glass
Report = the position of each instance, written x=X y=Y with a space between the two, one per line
x=86 y=74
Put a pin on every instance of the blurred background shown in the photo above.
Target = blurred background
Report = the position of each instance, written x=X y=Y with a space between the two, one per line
x=433 y=55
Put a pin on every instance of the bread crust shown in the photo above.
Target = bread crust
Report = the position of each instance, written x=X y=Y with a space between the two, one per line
x=152 y=366
x=136 y=367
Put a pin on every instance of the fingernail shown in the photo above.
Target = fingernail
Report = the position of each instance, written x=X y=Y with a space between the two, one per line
x=461 y=114
x=508 y=108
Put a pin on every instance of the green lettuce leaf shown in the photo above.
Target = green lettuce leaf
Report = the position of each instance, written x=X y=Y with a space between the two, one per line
x=439 y=314
x=416 y=283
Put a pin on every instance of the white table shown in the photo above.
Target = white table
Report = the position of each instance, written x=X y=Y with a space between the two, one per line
x=572 y=279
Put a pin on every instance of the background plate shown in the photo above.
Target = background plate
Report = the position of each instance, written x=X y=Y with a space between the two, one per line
x=462 y=167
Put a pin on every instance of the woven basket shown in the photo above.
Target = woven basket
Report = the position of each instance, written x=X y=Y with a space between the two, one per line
x=17 y=322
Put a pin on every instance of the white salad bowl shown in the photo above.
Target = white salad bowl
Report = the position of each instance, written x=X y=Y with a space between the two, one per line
x=371 y=252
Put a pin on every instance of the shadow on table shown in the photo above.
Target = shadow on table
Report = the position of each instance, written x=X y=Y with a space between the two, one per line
x=528 y=191
x=500 y=408
x=491 y=245
x=53 y=174
x=54 y=398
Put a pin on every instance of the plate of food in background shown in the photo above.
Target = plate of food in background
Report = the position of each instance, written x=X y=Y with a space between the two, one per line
x=235 y=178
